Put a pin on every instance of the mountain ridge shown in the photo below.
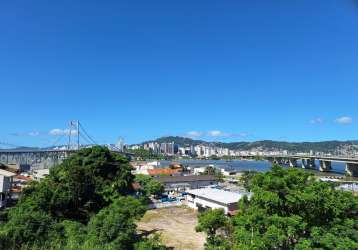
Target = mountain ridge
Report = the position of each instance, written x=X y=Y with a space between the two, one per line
x=320 y=146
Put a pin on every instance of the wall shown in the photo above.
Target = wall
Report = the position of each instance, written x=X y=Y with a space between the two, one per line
x=193 y=184
x=5 y=184
x=192 y=202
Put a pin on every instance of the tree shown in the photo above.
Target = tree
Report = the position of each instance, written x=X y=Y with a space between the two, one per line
x=151 y=243
x=209 y=222
x=291 y=210
x=149 y=185
x=26 y=225
x=246 y=179
x=115 y=224
x=82 y=185
x=144 y=154
x=214 y=171
x=83 y=204
x=155 y=188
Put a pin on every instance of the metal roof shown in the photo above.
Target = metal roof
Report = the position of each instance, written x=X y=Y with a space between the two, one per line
x=6 y=173
x=218 y=195
x=186 y=178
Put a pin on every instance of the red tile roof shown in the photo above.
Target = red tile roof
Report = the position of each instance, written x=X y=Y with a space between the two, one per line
x=21 y=177
x=159 y=171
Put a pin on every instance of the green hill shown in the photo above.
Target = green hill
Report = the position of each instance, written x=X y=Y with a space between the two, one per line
x=323 y=146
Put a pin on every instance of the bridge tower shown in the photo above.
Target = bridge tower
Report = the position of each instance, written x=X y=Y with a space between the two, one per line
x=74 y=131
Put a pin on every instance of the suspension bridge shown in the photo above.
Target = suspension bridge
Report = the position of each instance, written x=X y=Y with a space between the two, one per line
x=67 y=142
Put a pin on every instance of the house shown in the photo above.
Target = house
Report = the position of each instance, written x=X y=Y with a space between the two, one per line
x=17 y=167
x=228 y=172
x=142 y=168
x=6 y=180
x=19 y=182
x=39 y=174
x=199 y=170
x=211 y=198
x=182 y=183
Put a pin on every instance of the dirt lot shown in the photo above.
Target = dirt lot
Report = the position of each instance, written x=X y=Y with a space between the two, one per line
x=176 y=226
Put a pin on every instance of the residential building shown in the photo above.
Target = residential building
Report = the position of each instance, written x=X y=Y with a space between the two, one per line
x=199 y=170
x=39 y=174
x=6 y=180
x=17 y=167
x=169 y=148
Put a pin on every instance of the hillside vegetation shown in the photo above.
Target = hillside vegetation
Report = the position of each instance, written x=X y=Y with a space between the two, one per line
x=324 y=146
x=85 y=203
x=288 y=210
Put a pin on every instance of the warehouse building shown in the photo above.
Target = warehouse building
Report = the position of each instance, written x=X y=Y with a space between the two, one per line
x=183 y=183
x=211 y=198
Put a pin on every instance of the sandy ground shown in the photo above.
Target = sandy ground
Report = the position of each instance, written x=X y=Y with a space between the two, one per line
x=176 y=226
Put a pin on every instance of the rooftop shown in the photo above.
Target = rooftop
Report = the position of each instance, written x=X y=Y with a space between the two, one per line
x=218 y=195
x=187 y=178
x=159 y=171
x=6 y=173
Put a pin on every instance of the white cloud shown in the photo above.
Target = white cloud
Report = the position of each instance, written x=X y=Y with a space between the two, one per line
x=317 y=120
x=58 y=131
x=194 y=134
x=34 y=133
x=217 y=133
x=31 y=133
x=344 y=120
x=243 y=135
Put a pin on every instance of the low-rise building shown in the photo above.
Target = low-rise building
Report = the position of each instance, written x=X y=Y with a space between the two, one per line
x=183 y=183
x=199 y=170
x=212 y=198
x=142 y=168
x=17 y=167
x=228 y=172
x=6 y=180
x=40 y=173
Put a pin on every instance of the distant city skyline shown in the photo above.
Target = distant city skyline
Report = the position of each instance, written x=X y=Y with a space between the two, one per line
x=233 y=71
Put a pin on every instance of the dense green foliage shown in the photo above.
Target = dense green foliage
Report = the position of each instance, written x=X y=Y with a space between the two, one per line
x=246 y=179
x=183 y=141
x=148 y=185
x=214 y=171
x=324 y=146
x=151 y=243
x=290 y=210
x=209 y=222
x=144 y=154
x=84 y=203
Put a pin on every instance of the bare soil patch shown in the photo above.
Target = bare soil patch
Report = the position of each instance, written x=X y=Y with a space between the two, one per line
x=176 y=226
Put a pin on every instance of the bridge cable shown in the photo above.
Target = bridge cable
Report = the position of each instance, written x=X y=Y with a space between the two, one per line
x=85 y=132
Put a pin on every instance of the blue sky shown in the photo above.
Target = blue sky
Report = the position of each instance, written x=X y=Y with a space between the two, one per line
x=218 y=70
